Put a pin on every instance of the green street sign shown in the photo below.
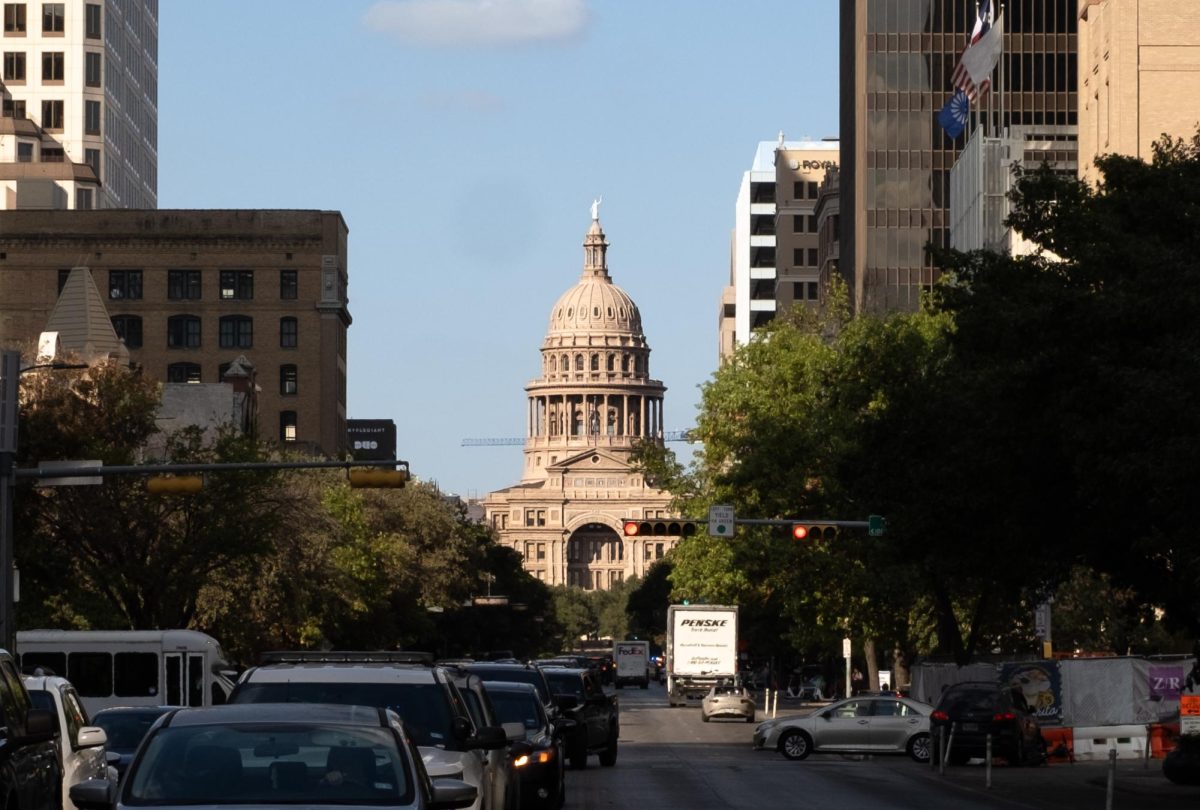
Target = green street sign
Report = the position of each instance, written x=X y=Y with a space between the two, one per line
x=876 y=525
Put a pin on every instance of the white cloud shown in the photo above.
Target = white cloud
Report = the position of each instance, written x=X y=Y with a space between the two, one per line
x=472 y=23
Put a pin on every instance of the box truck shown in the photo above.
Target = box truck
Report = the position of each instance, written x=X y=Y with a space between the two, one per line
x=701 y=650
x=632 y=663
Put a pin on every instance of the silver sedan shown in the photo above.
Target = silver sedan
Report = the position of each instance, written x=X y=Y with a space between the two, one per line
x=727 y=701
x=858 y=725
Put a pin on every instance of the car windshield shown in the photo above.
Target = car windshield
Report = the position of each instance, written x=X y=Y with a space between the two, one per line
x=529 y=676
x=424 y=708
x=294 y=763
x=125 y=730
x=565 y=683
x=517 y=707
x=965 y=700
x=43 y=700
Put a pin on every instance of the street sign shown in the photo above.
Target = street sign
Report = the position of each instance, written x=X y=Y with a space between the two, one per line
x=721 y=520
x=1041 y=621
x=47 y=468
x=1189 y=714
x=845 y=648
x=876 y=525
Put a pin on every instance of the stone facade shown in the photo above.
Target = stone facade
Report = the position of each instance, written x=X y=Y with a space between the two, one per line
x=1139 y=76
x=593 y=403
x=191 y=291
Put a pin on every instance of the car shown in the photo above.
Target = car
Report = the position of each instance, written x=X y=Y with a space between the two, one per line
x=499 y=767
x=877 y=725
x=81 y=744
x=30 y=767
x=581 y=698
x=728 y=700
x=518 y=673
x=973 y=710
x=431 y=706
x=126 y=727
x=270 y=755
x=539 y=755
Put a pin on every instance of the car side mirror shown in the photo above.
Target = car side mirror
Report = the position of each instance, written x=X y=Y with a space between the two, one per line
x=94 y=794
x=40 y=724
x=448 y=794
x=462 y=728
x=489 y=738
x=90 y=737
x=513 y=731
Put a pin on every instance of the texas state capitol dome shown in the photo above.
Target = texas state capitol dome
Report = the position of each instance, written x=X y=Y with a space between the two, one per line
x=595 y=399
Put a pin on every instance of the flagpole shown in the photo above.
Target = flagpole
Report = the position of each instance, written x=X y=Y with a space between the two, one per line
x=1000 y=80
x=974 y=107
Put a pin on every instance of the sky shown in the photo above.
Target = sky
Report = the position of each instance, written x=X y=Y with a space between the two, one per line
x=463 y=142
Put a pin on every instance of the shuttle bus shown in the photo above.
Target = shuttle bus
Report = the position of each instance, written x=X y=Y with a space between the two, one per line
x=131 y=667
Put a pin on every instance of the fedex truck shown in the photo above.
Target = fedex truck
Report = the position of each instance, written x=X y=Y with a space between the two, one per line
x=701 y=650
x=632 y=659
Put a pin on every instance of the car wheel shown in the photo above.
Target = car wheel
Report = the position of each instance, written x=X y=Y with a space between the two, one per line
x=920 y=747
x=704 y=717
x=1018 y=755
x=795 y=744
x=608 y=757
x=750 y=719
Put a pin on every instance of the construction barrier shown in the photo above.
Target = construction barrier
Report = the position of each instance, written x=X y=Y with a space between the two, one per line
x=1094 y=742
x=1163 y=739
x=1060 y=743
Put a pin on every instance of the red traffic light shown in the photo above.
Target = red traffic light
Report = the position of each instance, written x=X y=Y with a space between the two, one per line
x=799 y=532
x=631 y=528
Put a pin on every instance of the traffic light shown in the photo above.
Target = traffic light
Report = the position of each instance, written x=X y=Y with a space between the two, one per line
x=174 y=484
x=390 y=479
x=813 y=532
x=660 y=528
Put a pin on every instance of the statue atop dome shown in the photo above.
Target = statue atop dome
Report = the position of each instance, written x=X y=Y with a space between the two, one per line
x=596 y=208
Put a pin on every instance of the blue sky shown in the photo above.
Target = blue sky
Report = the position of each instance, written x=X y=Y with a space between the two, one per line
x=463 y=142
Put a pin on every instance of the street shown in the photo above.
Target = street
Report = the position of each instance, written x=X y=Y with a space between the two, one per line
x=670 y=760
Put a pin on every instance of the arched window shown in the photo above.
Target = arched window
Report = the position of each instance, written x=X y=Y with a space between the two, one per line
x=287 y=426
x=289 y=329
x=612 y=362
x=183 y=373
x=566 y=363
x=553 y=363
x=579 y=362
x=625 y=363
x=129 y=330
x=236 y=332
x=183 y=332
x=595 y=362
x=288 y=384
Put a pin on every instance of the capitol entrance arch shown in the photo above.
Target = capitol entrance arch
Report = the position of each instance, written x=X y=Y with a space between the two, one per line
x=595 y=557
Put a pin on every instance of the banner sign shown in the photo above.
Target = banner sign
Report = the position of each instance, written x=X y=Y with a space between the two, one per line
x=1040 y=683
x=371 y=439
x=1166 y=681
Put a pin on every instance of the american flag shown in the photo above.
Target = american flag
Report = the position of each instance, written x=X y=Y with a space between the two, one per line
x=961 y=79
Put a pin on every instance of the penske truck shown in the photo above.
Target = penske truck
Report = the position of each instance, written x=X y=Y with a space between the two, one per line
x=701 y=650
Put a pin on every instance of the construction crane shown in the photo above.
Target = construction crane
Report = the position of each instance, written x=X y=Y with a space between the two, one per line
x=669 y=436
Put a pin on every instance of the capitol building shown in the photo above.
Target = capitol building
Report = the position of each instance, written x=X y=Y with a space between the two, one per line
x=593 y=403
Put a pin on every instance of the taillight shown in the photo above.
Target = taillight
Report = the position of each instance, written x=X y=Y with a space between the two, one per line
x=940 y=716
x=1003 y=717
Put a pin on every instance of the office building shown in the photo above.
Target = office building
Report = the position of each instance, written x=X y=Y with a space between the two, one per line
x=79 y=89
x=592 y=404
x=896 y=59
x=191 y=292
x=1139 y=76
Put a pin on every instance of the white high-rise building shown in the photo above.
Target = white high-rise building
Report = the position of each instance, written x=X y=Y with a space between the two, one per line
x=79 y=86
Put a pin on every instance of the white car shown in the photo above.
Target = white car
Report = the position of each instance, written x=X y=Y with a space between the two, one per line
x=81 y=746
x=876 y=724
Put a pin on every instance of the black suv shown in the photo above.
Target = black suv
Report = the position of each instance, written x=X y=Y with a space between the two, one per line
x=581 y=698
x=518 y=673
x=974 y=709
x=30 y=770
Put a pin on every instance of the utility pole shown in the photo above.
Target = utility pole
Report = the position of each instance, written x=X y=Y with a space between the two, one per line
x=10 y=370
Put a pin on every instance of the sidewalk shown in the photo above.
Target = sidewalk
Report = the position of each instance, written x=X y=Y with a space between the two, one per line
x=1081 y=785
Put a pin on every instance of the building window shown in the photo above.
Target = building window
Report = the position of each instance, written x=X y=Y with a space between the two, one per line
x=812 y=291
x=24 y=152
x=92 y=158
x=183 y=332
x=797 y=257
x=63 y=275
x=52 y=66
x=529 y=517
x=92 y=27
x=812 y=223
x=14 y=18
x=91 y=69
x=183 y=373
x=125 y=284
x=237 y=285
x=129 y=330
x=288 y=333
x=236 y=332
x=52 y=18
x=812 y=257
x=812 y=191
x=53 y=154
x=14 y=66
x=289 y=288
x=85 y=199
x=183 y=285
x=797 y=223
x=287 y=380
x=13 y=108
x=91 y=117
x=52 y=115
x=287 y=426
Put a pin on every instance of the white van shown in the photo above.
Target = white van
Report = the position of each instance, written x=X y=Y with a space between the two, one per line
x=632 y=660
x=131 y=667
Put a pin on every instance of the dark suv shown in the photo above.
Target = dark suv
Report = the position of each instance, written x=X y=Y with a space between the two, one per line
x=581 y=698
x=974 y=709
x=30 y=770
x=517 y=673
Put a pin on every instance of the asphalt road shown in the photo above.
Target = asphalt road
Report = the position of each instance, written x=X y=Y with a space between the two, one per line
x=670 y=760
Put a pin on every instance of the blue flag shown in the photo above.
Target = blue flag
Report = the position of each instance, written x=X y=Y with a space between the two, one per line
x=953 y=117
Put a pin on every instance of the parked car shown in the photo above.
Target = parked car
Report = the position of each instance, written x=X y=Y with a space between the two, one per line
x=271 y=755
x=30 y=768
x=975 y=709
x=81 y=744
x=126 y=727
x=728 y=700
x=538 y=756
x=499 y=767
x=425 y=697
x=878 y=725
x=581 y=698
